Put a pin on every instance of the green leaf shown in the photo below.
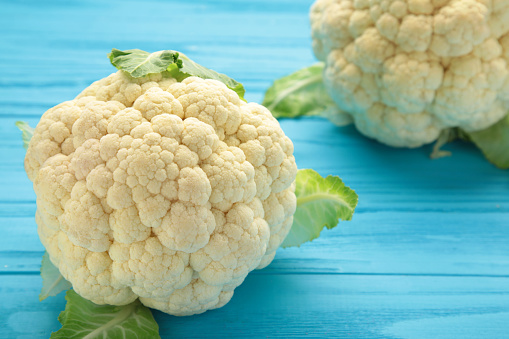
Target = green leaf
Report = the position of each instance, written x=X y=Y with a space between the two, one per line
x=494 y=142
x=320 y=203
x=191 y=68
x=303 y=94
x=139 y=63
x=52 y=281
x=26 y=132
x=84 y=319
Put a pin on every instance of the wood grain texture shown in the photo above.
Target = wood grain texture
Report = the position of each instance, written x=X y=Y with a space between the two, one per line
x=307 y=305
x=426 y=255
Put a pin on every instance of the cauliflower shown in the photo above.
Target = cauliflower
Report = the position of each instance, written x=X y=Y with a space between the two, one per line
x=163 y=190
x=407 y=72
x=407 y=69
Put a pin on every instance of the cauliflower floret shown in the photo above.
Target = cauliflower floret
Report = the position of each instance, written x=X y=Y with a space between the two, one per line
x=171 y=192
x=407 y=69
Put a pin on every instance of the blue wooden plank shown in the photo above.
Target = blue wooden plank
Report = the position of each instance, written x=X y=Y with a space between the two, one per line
x=311 y=306
x=222 y=35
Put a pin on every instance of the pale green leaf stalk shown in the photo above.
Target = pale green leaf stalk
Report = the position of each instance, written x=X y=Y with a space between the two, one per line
x=52 y=281
x=84 y=319
x=138 y=63
x=321 y=202
x=26 y=132
x=445 y=137
x=303 y=94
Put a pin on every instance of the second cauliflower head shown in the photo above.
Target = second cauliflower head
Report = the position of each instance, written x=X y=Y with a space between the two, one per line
x=166 y=191
x=407 y=69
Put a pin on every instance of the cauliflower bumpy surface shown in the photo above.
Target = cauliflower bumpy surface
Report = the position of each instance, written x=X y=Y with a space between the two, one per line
x=170 y=192
x=406 y=69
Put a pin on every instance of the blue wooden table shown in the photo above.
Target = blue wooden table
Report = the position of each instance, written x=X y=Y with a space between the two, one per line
x=426 y=255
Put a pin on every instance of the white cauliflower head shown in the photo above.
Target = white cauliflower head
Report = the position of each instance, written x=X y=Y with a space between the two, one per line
x=406 y=69
x=166 y=191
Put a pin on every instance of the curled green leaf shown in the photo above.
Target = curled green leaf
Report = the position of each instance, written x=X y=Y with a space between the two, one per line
x=191 y=68
x=26 y=132
x=321 y=202
x=138 y=63
x=303 y=93
x=84 y=319
x=52 y=281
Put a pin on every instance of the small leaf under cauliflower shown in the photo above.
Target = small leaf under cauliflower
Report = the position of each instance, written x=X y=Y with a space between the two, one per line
x=320 y=203
x=26 y=132
x=52 y=281
x=84 y=319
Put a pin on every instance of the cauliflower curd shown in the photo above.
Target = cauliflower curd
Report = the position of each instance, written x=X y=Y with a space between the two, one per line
x=406 y=69
x=166 y=191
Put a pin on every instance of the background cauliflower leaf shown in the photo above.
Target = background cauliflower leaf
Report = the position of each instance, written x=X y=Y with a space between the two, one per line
x=494 y=142
x=303 y=94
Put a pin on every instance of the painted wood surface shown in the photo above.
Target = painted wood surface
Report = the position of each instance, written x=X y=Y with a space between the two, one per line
x=426 y=255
